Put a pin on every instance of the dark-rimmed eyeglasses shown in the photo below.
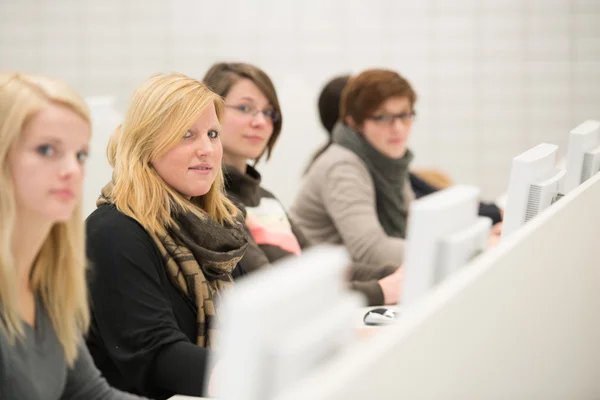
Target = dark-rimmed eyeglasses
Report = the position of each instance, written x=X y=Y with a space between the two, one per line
x=268 y=113
x=388 y=119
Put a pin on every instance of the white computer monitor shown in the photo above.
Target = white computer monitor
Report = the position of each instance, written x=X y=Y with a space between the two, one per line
x=444 y=232
x=519 y=322
x=535 y=183
x=277 y=324
x=583 y=155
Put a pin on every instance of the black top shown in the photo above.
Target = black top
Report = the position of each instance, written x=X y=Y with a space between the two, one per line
x=422 y=188
x=143 y=331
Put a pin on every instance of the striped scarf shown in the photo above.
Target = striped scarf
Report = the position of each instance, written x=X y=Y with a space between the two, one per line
x=199 y=255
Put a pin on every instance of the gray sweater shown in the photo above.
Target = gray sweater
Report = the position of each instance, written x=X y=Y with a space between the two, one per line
x=336 y=204
x=35 y=368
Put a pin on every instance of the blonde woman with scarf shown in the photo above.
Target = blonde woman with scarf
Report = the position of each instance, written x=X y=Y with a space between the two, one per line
x=163 y=242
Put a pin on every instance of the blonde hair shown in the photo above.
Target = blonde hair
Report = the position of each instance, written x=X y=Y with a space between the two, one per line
x=161 y=110
x=58 y=273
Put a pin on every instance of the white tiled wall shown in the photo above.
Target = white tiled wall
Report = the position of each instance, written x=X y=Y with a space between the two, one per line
x=494 y=77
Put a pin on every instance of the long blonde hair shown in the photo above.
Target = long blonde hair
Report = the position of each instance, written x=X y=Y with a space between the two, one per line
x=58 y=273
x=161 y=110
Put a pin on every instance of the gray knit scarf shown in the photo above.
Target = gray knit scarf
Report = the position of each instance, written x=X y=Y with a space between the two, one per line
x=389 y=176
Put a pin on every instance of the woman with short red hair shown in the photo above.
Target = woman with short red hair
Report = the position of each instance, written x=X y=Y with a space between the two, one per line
x=357 y=192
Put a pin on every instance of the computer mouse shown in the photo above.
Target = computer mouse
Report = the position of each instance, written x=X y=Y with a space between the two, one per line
x=380 y=316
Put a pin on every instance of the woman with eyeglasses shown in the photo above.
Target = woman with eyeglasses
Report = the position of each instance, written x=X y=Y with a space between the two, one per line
x=251 y=125
x=357 y=191
x=329 y=112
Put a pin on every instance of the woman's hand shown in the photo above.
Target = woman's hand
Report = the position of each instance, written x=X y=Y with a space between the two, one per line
x=391 y=287
x=495 y=234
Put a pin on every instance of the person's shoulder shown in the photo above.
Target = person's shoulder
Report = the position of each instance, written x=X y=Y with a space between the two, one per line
x=108 y=221
x=338 y=160
x=337 y=154
x=112 y=238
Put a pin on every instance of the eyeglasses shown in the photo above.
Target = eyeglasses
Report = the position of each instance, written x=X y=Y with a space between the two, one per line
x=388 y=119
x=268 y=113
